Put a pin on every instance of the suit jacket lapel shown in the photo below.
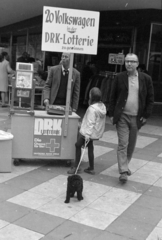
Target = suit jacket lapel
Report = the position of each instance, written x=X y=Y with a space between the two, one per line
x=125 y=79
x=140 y=78
x=73 y=75
x=58 y=75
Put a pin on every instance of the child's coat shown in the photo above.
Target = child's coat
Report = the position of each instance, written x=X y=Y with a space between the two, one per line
x=93 y=124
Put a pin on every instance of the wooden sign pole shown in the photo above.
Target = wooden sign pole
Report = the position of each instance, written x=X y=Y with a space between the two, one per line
x=68 y=95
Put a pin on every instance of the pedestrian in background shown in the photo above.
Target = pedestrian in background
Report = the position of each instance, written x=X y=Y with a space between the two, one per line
x=5 y=69
x=131 y=103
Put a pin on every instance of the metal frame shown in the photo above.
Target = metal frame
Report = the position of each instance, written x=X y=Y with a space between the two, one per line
x=150 y=38
x=68 y=95
x=148 y=54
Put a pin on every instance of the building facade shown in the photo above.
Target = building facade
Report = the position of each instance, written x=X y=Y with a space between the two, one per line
x=137 y=31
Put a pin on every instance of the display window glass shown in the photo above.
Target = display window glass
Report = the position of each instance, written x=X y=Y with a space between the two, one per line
x=154 y=61
x=19 y=40
x=5 y=43
x=34 y=43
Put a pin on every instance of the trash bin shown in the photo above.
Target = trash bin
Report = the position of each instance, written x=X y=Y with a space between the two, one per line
x=5 y=151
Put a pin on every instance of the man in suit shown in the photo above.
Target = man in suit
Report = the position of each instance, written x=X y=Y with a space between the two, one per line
x=131 y=103
x=55 y=88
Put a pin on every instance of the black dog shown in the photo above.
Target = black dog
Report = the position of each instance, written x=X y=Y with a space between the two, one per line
x=74 y=184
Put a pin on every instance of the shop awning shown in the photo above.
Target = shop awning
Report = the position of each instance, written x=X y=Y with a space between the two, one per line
x=12 y=11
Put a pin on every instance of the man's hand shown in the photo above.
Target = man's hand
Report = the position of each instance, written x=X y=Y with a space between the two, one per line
x=87 y=138
x=143 y=120
x=111 y=120
x=46 y=103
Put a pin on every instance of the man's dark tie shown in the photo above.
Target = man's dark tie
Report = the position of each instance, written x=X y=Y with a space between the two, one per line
x=66 y=72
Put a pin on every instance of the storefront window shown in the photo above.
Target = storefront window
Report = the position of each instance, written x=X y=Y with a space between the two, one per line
x=34 y=43
x=5 y=43
x=154 y=60
x=142 y=43
x=113 y=40
x=51 y=59
x=19 y=40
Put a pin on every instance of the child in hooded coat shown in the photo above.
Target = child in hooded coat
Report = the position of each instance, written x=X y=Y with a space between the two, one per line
x=92 y=128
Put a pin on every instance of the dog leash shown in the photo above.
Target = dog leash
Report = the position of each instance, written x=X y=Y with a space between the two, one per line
x=85 y=144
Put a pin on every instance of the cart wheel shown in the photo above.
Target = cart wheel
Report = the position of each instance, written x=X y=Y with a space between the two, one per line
x=68 y=163
x=16 y=162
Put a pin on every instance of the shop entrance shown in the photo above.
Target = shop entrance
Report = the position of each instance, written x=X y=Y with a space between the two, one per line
x=154 y=60
x=103 y=55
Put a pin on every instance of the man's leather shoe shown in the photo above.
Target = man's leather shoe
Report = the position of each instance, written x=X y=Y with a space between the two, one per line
x=123 y=177
x=129 y=173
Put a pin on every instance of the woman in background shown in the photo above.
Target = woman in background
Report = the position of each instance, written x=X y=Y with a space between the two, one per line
x=5 y=69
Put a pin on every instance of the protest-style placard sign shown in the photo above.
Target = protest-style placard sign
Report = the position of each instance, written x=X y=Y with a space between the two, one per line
x=69 y=30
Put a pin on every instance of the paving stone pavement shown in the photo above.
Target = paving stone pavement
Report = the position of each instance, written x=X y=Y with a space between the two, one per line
x=32 y=196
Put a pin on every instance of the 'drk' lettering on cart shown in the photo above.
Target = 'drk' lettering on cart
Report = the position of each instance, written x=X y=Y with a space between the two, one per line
x=47 y=137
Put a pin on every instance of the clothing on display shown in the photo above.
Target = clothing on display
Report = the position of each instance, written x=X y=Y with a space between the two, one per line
x=103 y=81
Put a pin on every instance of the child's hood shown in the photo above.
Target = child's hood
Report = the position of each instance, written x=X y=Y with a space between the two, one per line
x=100 y=108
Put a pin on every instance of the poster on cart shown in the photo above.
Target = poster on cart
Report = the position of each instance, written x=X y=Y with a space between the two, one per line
x=70 y=30
x=24 y=79
x=47 y=137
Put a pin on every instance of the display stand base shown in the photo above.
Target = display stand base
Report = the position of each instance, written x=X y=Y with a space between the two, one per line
x=22 y=127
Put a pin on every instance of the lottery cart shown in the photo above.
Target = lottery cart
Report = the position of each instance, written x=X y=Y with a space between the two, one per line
x=33 y=139
x=38 y=135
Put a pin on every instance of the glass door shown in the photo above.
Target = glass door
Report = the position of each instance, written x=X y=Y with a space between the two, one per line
x=154 y=61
